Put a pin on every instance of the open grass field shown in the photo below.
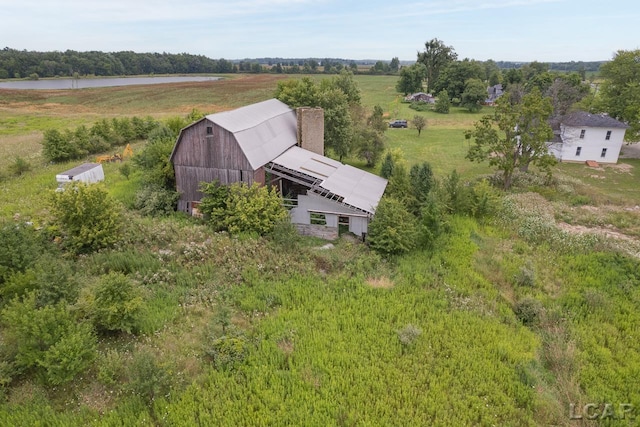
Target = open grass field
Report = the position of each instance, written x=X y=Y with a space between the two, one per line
x=507 y=321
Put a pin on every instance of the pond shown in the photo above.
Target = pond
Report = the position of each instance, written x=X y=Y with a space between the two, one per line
x=99 y=82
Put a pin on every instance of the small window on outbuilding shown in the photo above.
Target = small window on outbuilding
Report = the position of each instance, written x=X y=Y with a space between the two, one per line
x=209 y=130
x=578 y=151
x=608 y=137
x=318 y=219
x=582 y=132
x=603 y=153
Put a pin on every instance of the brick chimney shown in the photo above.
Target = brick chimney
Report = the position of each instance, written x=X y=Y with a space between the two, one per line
x=311 y=129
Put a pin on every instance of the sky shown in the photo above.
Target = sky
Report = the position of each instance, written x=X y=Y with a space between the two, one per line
x=502 y=30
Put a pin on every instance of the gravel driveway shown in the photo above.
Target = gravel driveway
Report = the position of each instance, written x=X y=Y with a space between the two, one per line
x=631 y=151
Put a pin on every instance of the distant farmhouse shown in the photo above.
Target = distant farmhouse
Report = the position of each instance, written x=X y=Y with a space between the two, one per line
x=582 y=136
x=420 y=97
x=272 y=144
x=493 y=93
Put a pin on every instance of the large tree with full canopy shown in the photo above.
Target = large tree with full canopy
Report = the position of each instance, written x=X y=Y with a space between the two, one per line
x=620 y=92
x=514 y=136
x=436 y=56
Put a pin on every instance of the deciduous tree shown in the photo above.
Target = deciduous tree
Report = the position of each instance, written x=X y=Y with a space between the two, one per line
x=454 y=77
x=620 y=91
x=443 y=103
x=419 y=122
x=436 y=56
x=474 y=93
x=514 y=136
x=335 y=96
x=411 y=78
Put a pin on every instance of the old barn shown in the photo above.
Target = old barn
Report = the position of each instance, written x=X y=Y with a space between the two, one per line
x=272 y=144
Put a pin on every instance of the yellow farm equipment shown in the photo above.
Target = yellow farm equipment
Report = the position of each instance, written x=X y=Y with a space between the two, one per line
x=117 y=157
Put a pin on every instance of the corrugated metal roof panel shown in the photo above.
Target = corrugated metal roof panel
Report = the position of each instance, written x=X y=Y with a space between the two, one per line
x=249 y=116
x=80 y=169
x=358 y=188
x=263 y=130
x=308 y=162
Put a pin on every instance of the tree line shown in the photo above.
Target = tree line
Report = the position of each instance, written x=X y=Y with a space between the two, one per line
x=21 y=63
x=31 y=64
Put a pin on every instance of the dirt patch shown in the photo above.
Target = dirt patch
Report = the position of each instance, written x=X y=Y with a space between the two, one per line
x=621 y=167
x=606 y=232
x=380 y=283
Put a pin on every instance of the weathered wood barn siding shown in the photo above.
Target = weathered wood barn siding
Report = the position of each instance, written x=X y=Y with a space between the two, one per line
x=205 y=156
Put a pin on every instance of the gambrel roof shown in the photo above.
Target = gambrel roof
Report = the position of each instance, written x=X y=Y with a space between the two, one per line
x=263 y=130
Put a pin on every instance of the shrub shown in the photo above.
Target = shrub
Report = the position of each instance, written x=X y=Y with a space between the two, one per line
x=142 y=127
x=529 y=311
x=115 y=304
x=125 y=170
x=254 y=208
x=110 y=367
x=408 y=336
x=153 y=200
x=227 y=351
x=484 y=200
x=19 y=166
x=393 y=229
x=20 y=247
x=420 y=106
x=455 y=194
x=56 y=281
x=443 y=104
x=48 y=340
x=154 y=162
x=102 y=129
x=241 y=208
x=148 y=379
x=58 y=147
x=285 y=235
x=526 y=276
x=87 y=216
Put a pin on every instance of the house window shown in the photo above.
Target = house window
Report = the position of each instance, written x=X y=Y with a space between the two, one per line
x=578 y=151
x=209 y=130
x=582 y=132
x=604 y=152
x=608 y=137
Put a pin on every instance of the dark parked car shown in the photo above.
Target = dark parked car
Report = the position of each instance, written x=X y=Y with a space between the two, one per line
x=398 y=124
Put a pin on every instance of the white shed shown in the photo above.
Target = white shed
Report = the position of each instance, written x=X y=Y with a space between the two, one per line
x=88 y=173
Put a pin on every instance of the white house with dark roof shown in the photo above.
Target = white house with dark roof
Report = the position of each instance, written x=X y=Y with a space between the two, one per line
x=272 y=144
x=582 y=136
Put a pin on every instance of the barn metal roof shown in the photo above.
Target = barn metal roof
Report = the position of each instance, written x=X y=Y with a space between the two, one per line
x=263 y=130
x=356 y=187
